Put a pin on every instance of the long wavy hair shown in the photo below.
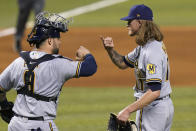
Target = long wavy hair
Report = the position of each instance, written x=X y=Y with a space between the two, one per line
x=148 y=31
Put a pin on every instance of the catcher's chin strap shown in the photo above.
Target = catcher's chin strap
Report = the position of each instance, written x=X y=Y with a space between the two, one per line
x=28 y=76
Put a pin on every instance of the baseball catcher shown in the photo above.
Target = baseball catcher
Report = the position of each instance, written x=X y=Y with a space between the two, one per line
x=39 y=75
x=115 y=125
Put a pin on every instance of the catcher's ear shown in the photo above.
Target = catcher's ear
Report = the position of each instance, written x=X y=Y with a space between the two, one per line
x=49 y=41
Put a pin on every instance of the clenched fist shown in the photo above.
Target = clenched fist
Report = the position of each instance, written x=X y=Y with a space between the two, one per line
x=107 y=42
x=81 y=53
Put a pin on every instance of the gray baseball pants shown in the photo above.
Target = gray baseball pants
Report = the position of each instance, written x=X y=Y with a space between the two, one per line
x=157 y=116
x=23 y=124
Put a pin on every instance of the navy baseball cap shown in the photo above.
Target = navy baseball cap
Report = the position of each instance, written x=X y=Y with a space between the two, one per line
x=139 y=12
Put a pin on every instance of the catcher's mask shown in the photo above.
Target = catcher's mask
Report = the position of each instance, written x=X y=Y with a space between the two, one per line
x=47 y=25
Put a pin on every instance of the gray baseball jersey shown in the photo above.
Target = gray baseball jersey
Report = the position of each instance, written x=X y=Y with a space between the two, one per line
x=151 y=65
x=49 y=79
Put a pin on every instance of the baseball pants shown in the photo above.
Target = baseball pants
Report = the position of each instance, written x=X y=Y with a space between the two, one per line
x=23 y=124
x=157 y=116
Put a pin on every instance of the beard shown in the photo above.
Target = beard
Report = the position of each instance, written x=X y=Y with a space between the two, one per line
x=55 y=51
x=132 y=33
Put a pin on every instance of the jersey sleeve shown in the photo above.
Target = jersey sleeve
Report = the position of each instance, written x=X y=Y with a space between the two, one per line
x=70 y=69
x=131 y=57
x=67 y=68
x=154 y=67
x=6 y=77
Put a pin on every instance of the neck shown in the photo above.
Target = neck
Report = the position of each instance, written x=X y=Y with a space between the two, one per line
x=45 y=49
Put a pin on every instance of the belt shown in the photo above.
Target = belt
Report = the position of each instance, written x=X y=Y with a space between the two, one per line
x=41 y=118
x=167 y=96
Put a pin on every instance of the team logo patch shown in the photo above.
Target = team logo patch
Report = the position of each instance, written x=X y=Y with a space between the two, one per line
x=151 y=68
x=138 y=15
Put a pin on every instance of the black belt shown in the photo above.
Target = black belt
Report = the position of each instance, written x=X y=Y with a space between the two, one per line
x=41 y=118
x=167 y=96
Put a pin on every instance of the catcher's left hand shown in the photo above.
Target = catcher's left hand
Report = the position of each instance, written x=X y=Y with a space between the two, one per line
x=115 y=125
x=6 y=112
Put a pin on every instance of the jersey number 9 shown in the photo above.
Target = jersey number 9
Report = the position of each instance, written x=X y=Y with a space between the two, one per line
x=29 y=79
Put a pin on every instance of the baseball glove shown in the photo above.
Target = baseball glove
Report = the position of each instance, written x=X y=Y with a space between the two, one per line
x=6 y=112
x=115 y=125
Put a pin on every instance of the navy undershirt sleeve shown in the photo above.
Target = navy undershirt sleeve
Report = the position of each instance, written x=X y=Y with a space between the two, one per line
x=88 y=66
x=154 y=86
x=128 y=64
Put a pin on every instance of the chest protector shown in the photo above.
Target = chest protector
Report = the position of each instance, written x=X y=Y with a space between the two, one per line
x=29 y=76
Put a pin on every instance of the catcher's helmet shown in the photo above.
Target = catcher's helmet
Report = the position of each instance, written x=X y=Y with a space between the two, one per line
x=47 y=25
